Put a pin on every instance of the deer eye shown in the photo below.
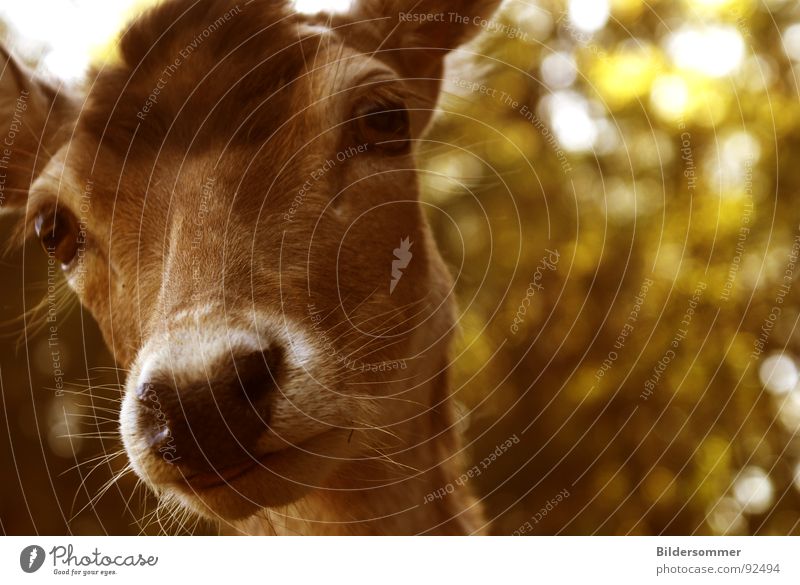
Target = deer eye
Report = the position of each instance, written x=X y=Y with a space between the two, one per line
x=384 y=126
x=57 y=231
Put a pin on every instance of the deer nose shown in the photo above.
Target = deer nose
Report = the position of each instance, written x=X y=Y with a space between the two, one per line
x=212 y=422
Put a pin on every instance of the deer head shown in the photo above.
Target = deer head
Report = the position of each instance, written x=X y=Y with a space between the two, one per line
x=236 y=203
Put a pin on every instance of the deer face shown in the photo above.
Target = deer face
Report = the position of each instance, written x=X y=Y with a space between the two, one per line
x=236 y=204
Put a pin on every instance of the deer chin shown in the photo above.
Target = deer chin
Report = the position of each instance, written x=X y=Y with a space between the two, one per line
x=274 y=479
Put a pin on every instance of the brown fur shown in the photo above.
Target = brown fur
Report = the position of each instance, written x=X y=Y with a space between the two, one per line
x=260 y=104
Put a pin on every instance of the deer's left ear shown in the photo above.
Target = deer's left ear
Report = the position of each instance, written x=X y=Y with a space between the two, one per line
x=31 y=113
x=414 y=36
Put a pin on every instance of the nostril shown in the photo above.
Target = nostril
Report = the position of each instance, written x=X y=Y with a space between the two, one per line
x=149 y=393
x=217 y=417
x=259 y=372
x=156 y=398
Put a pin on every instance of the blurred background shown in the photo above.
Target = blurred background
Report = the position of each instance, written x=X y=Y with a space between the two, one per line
x=613 y=183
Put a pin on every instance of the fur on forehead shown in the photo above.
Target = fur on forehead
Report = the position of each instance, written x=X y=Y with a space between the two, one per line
x=200 y=74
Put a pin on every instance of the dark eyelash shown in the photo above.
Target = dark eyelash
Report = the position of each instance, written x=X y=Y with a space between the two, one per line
x=22 y=228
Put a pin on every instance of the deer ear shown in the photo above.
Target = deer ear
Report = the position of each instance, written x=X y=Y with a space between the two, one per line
x=31 y=112
x=414 y=36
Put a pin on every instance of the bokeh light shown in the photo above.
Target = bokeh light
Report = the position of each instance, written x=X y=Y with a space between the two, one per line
x=711 y=50
x=778 y=373
x=589 y=15
x=753 y=490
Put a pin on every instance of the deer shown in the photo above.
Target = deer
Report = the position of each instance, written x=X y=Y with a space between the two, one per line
x=235 y=200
